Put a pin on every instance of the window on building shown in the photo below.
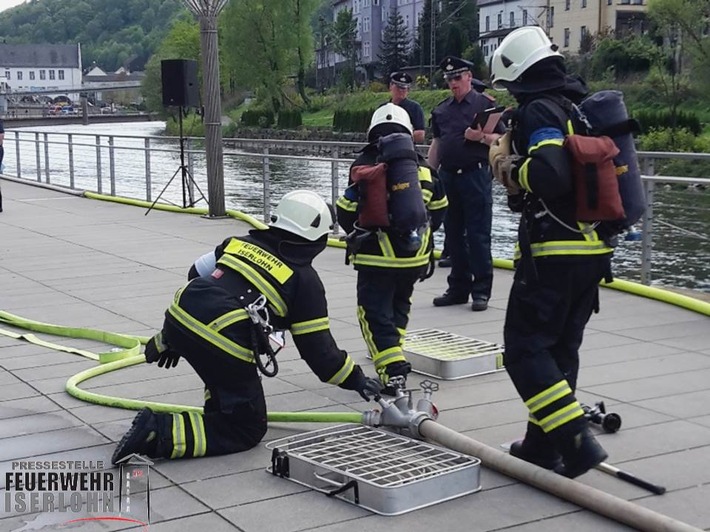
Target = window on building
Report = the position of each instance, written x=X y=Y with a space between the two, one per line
x=61 y=74
x=52 y=74
x=567 y=5
x=551 y=17
x=7 y=74
x=366 y=50
x=32 y=75
x=19 y=76
x=566 y=45
x=500 y=20
x=512 y=19
x=485 y=51
x=375 y=2
x=488 y=23
x=625 y=2
x=42 y=74
x=406 y=20
x=584 y=3
x=582 y=32
x=525 y=17
x=366 y=24
x=637 y=2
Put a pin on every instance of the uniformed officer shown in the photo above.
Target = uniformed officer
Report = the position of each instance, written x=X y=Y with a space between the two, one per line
x=559 y=261
x=461 y=155
x=400 y=83
x=209 y=323
x=387 y=267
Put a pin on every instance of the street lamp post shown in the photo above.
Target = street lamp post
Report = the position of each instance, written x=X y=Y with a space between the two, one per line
x=207 y=11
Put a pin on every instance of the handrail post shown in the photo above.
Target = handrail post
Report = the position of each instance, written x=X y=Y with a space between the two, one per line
x=111 y=165
x=17 y=154
x=38 y=159
x=647 y=226
x=46 y=156
x=334 y=184
x=190 y=172
x=267 y=186
x=148 y=184
x=71 y=160
x=99 y=187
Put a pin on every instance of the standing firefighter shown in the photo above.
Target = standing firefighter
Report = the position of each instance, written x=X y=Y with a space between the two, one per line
x=390 y=208
x=560 y=261
x=218 y=321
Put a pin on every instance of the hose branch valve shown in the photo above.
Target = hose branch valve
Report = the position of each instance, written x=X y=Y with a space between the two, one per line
x=399 y=412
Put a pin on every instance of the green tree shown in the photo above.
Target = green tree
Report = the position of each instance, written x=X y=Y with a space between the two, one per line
x=344 y=42
x=395 y=44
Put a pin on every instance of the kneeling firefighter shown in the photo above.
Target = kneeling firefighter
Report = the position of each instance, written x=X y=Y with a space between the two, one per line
x=219 y=322
x=392 y=205
x=559 y=260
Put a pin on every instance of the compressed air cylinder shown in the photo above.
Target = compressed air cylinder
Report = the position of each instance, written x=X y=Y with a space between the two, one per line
x=406 y=207
x=607 y=114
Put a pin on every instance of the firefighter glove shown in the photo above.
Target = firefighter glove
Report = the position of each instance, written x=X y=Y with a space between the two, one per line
x=395 y=369
x=369 y=388
x=157 y=350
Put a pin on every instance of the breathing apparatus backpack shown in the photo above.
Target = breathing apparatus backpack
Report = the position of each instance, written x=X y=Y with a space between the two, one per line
x=607 y=177
x=390 y=196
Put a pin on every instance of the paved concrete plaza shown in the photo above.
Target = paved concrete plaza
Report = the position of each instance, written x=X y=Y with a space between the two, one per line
x=72 y=261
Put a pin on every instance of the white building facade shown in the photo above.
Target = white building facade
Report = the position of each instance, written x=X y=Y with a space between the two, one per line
x=42 y=67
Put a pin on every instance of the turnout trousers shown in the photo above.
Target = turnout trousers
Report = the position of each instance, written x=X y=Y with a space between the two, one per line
x=467 y=226
x=544 y=327
x=234 y=417
x=384 y=300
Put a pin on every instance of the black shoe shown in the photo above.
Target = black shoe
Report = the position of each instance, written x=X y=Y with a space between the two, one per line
x=141 y=438
x=580 y=453
x=445 y=263
x=547 y=458
x=450 y=298
x=479 y=303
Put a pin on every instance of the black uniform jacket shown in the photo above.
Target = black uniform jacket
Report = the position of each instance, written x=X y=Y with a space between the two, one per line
x=271 y=263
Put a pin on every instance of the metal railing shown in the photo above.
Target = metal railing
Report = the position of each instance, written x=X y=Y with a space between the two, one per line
x=92 y=161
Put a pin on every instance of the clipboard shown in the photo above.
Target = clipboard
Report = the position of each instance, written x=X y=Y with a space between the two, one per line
x=488 y=120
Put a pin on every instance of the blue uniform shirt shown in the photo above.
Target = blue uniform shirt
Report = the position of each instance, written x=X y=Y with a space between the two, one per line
x=449 y=121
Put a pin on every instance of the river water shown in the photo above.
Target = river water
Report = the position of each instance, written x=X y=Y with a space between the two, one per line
x=681 y=250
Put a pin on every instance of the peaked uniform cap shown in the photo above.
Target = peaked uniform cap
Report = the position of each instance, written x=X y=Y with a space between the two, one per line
x=401 y=79
x=451 y=66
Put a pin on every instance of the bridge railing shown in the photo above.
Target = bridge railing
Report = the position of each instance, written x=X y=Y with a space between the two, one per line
x=146 y=167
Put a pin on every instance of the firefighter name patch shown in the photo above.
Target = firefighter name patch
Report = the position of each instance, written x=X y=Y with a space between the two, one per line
x=260 y=257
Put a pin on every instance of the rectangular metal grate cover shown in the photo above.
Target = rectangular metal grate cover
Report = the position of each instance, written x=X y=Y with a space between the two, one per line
x=386 y=473
x=449 y=356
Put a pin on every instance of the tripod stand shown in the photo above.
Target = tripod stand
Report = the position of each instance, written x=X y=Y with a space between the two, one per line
x=188 y=183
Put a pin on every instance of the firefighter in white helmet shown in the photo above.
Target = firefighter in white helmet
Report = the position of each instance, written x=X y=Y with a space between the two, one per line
x=220 y=323
x=559 y=261
x=394 y=192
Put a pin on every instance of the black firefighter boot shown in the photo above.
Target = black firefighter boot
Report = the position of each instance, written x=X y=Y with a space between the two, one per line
x=537 y=449
x=141 y=438
x=580 y=452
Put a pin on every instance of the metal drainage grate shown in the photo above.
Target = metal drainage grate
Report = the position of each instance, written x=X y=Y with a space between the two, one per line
x=449 y=356
x=383 y=472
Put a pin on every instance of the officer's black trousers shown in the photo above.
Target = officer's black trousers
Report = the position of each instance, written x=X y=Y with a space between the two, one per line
x=234 y=417
x=384 y=300
x=544 y=326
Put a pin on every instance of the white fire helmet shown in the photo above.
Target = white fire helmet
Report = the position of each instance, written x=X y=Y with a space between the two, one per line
x=390 y=113
x=520 y=50
x=303 y=213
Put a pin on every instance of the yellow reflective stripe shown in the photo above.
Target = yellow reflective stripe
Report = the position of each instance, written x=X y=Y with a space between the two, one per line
x=227 y=319
x=386 y=262
x=216 y=339
x=427 y=194
x=587 y=231
x=262 y=258
x=366 y=332
x=546 y=142
x=179 y=443
x=424 y=174
x=255 y=278
x=548 y=396
x=346 y=204
x=532 y=419
x=438 y=204
x=562 y=416
x=402 y=332
x=424 y=248
x=344 y=372
x=570 y=129
x=208 y=394
x=176 y=298
x=523 y=175
x=310 y=326
x=198 y=434
x=385 y=244
x=389 y=355
x=569 y=247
